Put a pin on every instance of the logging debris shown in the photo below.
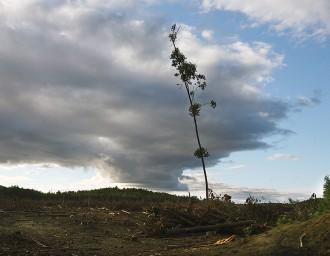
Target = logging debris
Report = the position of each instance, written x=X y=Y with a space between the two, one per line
x=226 y=240
x=179 y=221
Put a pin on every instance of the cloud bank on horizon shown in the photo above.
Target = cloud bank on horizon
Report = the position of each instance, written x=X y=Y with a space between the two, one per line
x=89 y=83
x=239 y=193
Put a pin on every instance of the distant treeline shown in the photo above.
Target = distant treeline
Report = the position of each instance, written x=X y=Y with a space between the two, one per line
x=110 y=194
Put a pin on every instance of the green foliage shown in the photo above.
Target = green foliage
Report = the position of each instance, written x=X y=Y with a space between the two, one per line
x=187 y=72
x=104 y=194
x=254 y=229
x=326 y=188
x=213 y=104
x=252 y=200
x=195 y=109
x=201 y=152
x=284 y=219
x=16 y=192
x=292 y=201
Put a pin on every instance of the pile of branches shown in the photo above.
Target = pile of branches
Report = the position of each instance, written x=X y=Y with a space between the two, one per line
x=177 y=220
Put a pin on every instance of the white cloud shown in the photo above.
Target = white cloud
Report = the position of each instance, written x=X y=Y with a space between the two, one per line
x=280 y=156
x=303 y=18
x=7 y=180
x=264 y=114
x=235 y=167
x=99 y=181
x=257 y=55
x=207 y=34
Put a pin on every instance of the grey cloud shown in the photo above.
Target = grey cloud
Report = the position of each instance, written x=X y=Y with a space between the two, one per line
x=94 y=88
x=302 y=102
x=184 y=178
x=313 y=100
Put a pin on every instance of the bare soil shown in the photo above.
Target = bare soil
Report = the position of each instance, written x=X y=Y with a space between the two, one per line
x=100 y=231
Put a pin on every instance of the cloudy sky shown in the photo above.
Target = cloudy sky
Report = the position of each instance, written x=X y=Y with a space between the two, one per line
x=88 y=98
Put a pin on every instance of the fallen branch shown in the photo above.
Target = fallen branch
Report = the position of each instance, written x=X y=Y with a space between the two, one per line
x=226 y=240
x=301 y=238
x=40 y=244
x=127 y=212
x=216 y=227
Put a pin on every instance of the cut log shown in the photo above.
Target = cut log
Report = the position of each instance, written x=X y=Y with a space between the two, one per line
x=216 y=227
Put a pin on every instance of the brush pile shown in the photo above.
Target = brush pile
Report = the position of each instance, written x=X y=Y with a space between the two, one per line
x=176 y=220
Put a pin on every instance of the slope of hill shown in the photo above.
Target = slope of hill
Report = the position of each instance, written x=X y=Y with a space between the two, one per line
x=132 y=222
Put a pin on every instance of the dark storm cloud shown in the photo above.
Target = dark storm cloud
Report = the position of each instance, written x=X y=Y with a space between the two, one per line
x=83 y=84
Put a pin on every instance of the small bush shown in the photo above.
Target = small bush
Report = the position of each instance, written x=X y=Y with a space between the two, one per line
x=284 y=219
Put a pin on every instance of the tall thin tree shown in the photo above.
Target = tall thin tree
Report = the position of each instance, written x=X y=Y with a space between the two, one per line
x=192 y=81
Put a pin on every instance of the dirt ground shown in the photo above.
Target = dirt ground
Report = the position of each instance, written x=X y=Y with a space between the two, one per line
x=100 y=231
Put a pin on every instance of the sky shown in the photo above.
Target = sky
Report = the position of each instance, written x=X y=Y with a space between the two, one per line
x=88 y=98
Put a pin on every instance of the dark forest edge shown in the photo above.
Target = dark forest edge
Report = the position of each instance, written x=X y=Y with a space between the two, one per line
x=134 y=199
x=110 y=193
x=130 y=194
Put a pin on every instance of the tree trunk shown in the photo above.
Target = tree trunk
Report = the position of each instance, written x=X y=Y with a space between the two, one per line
x=199 y=145
x=215 y=227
